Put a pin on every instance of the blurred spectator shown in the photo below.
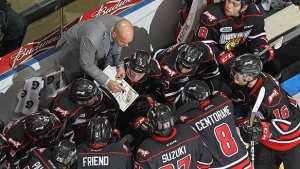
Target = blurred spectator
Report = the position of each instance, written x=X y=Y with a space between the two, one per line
x=12 y=29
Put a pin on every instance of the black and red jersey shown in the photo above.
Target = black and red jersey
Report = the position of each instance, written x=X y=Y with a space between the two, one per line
x=20 y=141
x=153 y=82
x=173 y=80
x=78 y=115
x=280 y=111
x=38 y=158
x=5 y=151
x=184 y=147
x=110 y=156
x=215 y=121
x=224 y=32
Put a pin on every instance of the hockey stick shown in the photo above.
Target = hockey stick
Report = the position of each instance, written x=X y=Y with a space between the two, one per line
x=256 y=106
x=116 y=104
x=188 y=28
x=277 y=44
x=62 y=131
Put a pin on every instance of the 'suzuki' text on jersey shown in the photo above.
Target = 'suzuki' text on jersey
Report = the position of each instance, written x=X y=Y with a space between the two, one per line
x=173 y=154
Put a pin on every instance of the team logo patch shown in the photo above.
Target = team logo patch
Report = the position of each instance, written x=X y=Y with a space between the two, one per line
x=24 y=93
x=29 y=104
x=142 y=152
x=272 y=96
x=50 y=79
x=35 y=85
x=210 y=17
x=226 y=29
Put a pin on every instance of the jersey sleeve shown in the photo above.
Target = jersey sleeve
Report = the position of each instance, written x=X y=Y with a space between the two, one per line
x=204 y=156
x=207 y=31
x=258 y=35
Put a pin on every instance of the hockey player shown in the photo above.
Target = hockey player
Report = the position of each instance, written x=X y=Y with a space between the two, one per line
x=98 y=153
x=171 y=146
x=183 y=62
x=143 y=74
x=234 y=28
x=4 y=152
x=64 y=155
x=78 y=103
x=213 y=118
x=35 y=130
x=277 y=134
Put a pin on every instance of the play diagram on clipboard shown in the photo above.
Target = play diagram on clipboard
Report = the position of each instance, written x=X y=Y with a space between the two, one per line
x=124 y=99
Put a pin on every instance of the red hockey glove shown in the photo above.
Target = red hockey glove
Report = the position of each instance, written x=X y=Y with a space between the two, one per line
x=142 y=105
x=141 y=125
x=116 y=136
x=268 y=55
x=224 y=56
x=259 y=131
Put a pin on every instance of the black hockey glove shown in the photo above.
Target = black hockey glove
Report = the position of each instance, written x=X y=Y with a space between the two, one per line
x=142 y=105
x=116 y=136
x=296 y=2
x=142 y=126
x=258 y=132
x=267 y=56
x=251 y=133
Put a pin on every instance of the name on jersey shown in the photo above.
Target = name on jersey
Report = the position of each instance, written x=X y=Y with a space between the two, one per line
x=225 y=37
x=213 y=118
x=95 y=161
x=173 y=154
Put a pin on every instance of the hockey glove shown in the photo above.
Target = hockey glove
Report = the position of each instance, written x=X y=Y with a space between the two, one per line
x=141 y=125
x=116 y=136
x=142 y=105
x=224 y=56
x=267 y=56
x=258 y=132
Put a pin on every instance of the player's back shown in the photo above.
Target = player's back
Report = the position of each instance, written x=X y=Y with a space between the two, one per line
x=115 y=155
x=182 y=147
x=215 y=122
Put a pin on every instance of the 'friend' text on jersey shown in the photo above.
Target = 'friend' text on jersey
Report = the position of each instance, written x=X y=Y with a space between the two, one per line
x=95 y=161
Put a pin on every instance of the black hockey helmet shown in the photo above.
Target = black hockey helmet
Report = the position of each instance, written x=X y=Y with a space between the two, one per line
x=196 y=90
x=140 y=62
x=245 y=2
x=161 y=119
x=99 y=130
x=65 y=153
x=84 y=90
x=41 y=125
x=190 y=55
x=247 y=65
